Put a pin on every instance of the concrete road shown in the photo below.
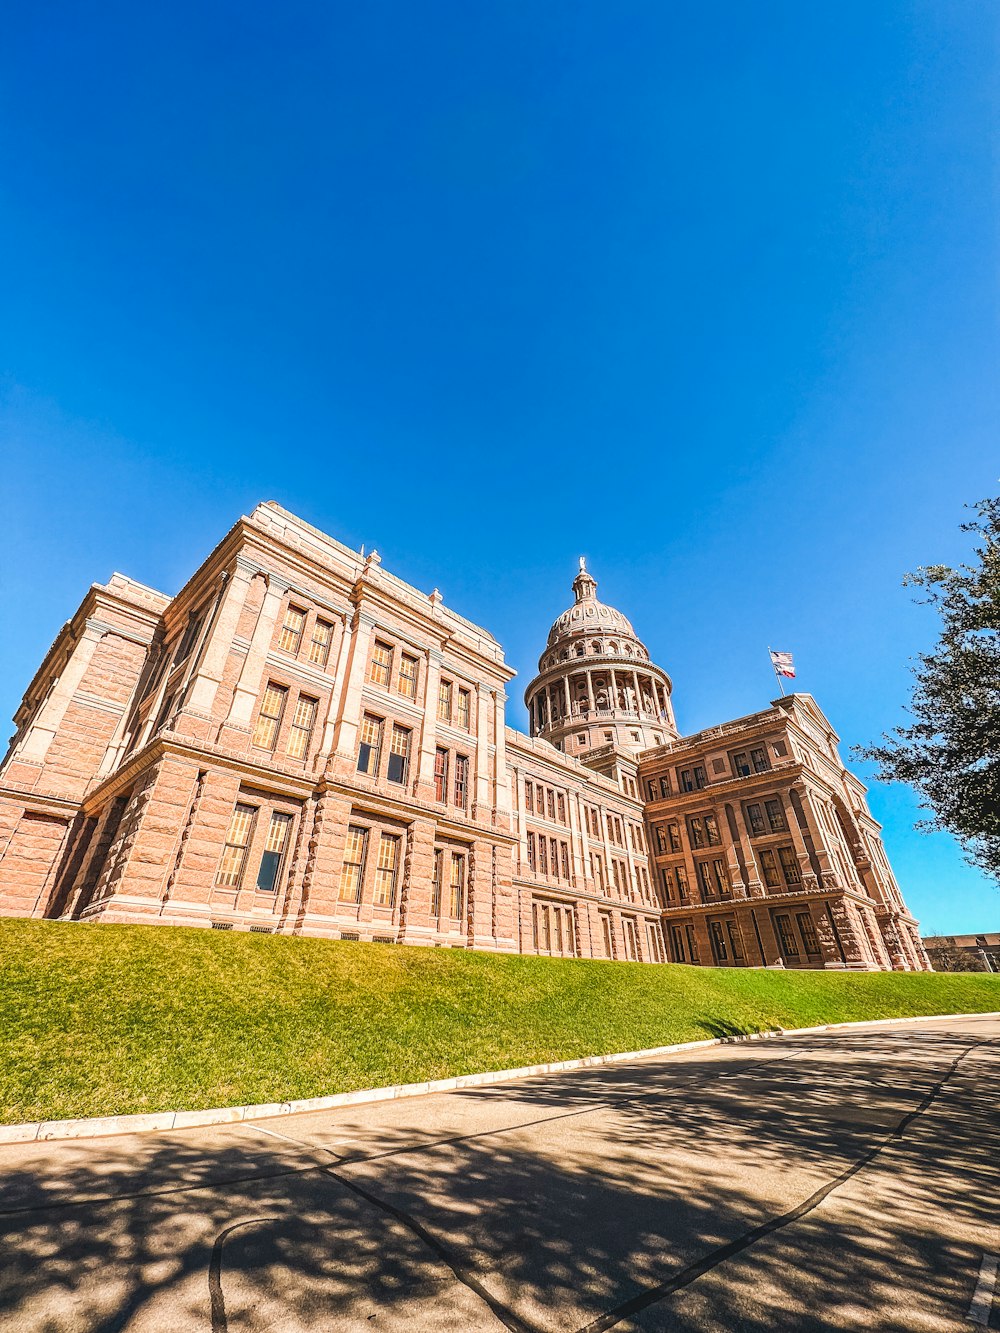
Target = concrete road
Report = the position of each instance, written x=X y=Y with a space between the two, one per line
x=841 y=1181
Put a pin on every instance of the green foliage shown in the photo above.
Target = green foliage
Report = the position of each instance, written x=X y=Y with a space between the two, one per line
x=950 y=754
x=103 y=1020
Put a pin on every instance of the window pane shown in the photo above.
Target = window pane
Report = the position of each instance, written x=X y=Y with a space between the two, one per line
x=319 y=647
x=441 y=775
x=406 y=681
x=291 y=630
x=385 y=871
x=381 y=664
x=303 y=720
x=274 y=852
x=457 y=886
x=463 y=709
x=461 y=780
x=444 y=701
x=354 y=862
x=272 y=706
x=235 y=851
x=370 y=745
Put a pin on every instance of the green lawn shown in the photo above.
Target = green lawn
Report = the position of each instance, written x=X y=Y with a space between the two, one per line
x=102 y=1020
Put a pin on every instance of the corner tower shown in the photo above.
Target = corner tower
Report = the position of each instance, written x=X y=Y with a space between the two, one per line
x=596 y=685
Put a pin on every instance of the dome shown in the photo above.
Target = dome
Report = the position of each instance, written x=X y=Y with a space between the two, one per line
x=587 y=615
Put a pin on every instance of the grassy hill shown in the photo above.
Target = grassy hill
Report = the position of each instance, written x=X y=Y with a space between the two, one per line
x=102 y=1020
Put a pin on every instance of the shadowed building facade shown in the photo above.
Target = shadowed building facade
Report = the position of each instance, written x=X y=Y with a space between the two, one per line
x=298 y=741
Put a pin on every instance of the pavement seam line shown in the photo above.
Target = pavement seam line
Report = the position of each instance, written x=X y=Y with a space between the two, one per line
x=721 y=1254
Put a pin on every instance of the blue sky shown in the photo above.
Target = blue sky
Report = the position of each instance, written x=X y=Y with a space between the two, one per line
x=708 y=293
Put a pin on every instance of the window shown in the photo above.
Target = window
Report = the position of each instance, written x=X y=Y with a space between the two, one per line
x=371 y=745
x=531 y=851
x=665 y=786
x=353 y=870
x=686 y=780
x=381 y=667
x=194 y=624
x=699 y=778
x=550 y=803
x=406 y=681
x=597 y=866
x=769 y=868
x=667 y=892
x=291 y=630
x=696 y=832
x=705 y=879
x=776 y=816
x=692 y=943
x=651 y=788
x=681 y=880
x=712 y=831
x=274 y=852
x=319 y=645
x=462 y=780
x=463 y=709
x=720 y=876
x=609 y=951
x=789 y=866
x=677 y=944
x=631 y=938
x=543 y=856
x=265 y=734
x=740 y=765
x=529 y=793
x=674 y=834
x=755 y=818
x=234 y=854
x=661 y=838
x=385 y=870
x=456 y=885
x=564 y=859
x=562 y=808
x=760 y=761
x=303 y=721
x=399 y=754
x=440 y=774
x=808 y=932
x=444 y=701
x=437 y=882
x=786 y=936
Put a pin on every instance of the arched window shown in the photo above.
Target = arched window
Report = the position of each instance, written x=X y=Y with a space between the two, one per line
x=612 y=647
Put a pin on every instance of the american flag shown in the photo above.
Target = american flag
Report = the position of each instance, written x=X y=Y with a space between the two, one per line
x=783 y=664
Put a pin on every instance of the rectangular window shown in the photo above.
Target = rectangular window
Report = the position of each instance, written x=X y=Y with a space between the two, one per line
x=664 y=786
x=353 y=870
x=786 y=936
x=598 y=868
x=461 y=780
x=385 y=870
x=319 y=644
x=789 y=866
x=437 y=882
x=444 y=701
x=529 y=793
x=406 y=681
x=609 y=951
x=291 y=630
x=699 y=778
x=712 y=831
x=651 y=788
x=677 y=944
x=741 y=766
x=695 y=830
x=661 y=838
x=769 y=868
x=755 y=818
x=190 y=634
x=265 y=734
x=681 y=880
x=760 y=761
x=381 y=667
x=550 y=803
x=234 y=854
x=562 y=808
x=531 y=851
x=399 y=754
x=303 y=721
x=440 y=775
x=720 y=876
x=564 y=859
x=808 y=931
x=274 y=852
x=543 y=856
x=776 y=816
x=674 y=834
x=463 y=709
x=370 y=746
x=456 y=885
x=687 y=781
x=705 y=879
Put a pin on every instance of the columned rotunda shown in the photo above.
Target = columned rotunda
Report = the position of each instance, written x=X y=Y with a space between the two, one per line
x=596 y=685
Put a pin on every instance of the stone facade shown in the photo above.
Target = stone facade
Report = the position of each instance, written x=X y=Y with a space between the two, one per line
x=300 y=742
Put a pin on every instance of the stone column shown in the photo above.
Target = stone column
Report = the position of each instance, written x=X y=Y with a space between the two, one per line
x=209 y=671
x=249 y=683
x=576 y=838
x=638 y=693
x=810 y=883
x=481 y=806
x=424 y=787
x=501 y=775
x=847 y=931
x=591 y=706
x=48 y=720
x=349 y=715
x=330 y=721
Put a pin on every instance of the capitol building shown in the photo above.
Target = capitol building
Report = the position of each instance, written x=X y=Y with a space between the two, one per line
x=300 y=742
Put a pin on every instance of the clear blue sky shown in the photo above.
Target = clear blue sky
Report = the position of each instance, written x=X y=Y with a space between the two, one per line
x=707 y=292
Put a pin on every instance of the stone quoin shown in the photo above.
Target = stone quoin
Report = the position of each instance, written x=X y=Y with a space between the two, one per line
x=300 y=742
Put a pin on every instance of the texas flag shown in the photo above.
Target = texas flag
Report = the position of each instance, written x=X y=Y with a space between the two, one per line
x=783 y=664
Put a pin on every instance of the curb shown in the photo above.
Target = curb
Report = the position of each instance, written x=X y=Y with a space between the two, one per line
x=101 y=1126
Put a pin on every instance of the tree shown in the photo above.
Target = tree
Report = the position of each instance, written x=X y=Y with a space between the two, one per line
x=951 y=753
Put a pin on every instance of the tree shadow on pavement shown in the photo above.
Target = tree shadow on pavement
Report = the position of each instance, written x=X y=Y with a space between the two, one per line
x=601 y=1187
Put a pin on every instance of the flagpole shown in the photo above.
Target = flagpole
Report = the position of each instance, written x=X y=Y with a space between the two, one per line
x=781 y=685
